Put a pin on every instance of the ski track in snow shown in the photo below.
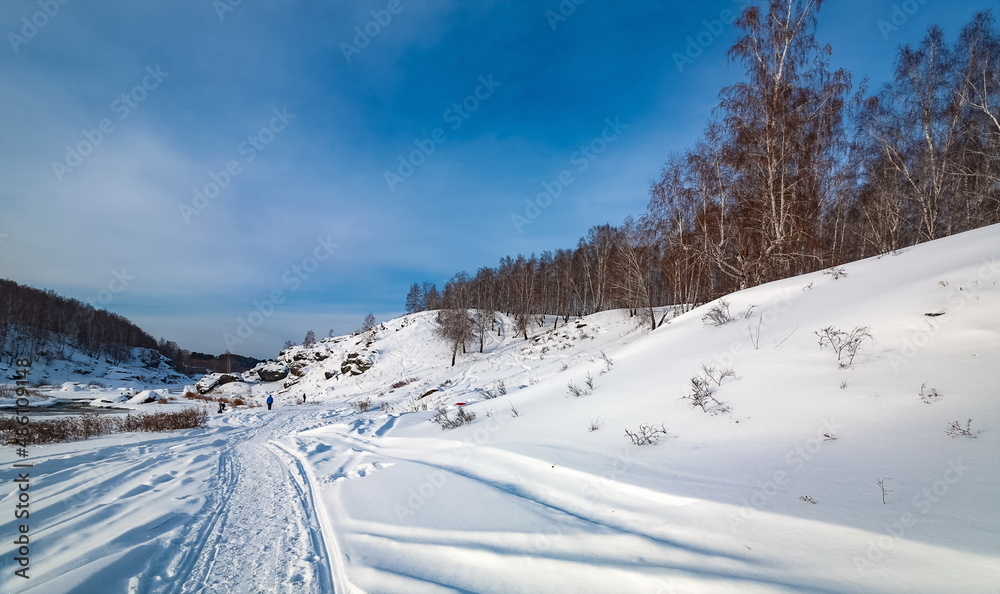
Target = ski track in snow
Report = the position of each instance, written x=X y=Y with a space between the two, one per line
x=260 y=531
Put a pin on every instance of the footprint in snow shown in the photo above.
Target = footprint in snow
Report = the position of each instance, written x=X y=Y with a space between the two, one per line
x=357 y=472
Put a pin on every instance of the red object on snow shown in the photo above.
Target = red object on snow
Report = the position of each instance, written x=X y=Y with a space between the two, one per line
x=459 y=404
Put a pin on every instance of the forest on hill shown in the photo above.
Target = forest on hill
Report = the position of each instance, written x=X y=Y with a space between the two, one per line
x=799 y=169
x=40 y=324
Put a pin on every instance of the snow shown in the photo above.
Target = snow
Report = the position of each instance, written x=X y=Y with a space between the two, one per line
x=774 y=489
x=69 y=370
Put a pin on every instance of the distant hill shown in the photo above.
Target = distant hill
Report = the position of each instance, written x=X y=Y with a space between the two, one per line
x=47 y=328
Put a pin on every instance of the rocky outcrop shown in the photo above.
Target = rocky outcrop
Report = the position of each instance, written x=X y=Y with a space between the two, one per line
x=213 y=380
x=272 y=372
x=355 y=364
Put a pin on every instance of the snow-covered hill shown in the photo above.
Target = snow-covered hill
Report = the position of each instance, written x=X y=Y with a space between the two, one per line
x=772 y=485
x=142 y=366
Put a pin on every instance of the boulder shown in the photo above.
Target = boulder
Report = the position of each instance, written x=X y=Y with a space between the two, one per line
x=355 y=364
x=272 y=372
x=207 y=384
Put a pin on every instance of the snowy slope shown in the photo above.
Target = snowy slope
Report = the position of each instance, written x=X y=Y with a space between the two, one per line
x=773 y=489
x=83 y=369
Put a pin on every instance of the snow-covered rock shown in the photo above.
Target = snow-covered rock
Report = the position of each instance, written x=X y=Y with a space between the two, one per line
x=357 y=363
x=271 y=371
x=112 y=400
x=146 y=397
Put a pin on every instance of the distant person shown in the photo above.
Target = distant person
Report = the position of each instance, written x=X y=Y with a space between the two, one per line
x=222 y=407
x=270 y=401
x=303 y=399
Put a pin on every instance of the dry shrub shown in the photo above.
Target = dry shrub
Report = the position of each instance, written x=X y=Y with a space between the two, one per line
x=90 y=425
x=647 y=434
x=403 y=382
x=462 y=417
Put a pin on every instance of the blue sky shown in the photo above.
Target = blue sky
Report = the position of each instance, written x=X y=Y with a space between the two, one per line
x=217 y=170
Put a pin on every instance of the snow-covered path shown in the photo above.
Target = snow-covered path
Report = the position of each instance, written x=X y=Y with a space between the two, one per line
x=224 y=509
x=258 y=529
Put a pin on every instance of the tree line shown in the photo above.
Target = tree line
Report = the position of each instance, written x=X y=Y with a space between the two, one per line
x=39 y=324
x=798 y=169
x=36 y=324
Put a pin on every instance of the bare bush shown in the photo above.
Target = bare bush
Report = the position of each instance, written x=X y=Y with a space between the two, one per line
x=845 y=344
x=595 y=425
x=701 y=393
x=363 y=405
x=90 y=425
x=501 y=388
x=410 y=406
x=807 y=499
x=608 y=363
x=715 y=376
x=513 y=411
x=837 y=272
x=462 y=417
x=589 y=382
x=881 y=485
x=955 y=429
x=929 y=396
x=718 y=314
x=402 y=383
x=646 y=434
x=575 y=390
x=755 y=335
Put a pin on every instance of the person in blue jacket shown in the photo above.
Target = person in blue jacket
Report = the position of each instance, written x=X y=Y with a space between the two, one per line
x=270 y=401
